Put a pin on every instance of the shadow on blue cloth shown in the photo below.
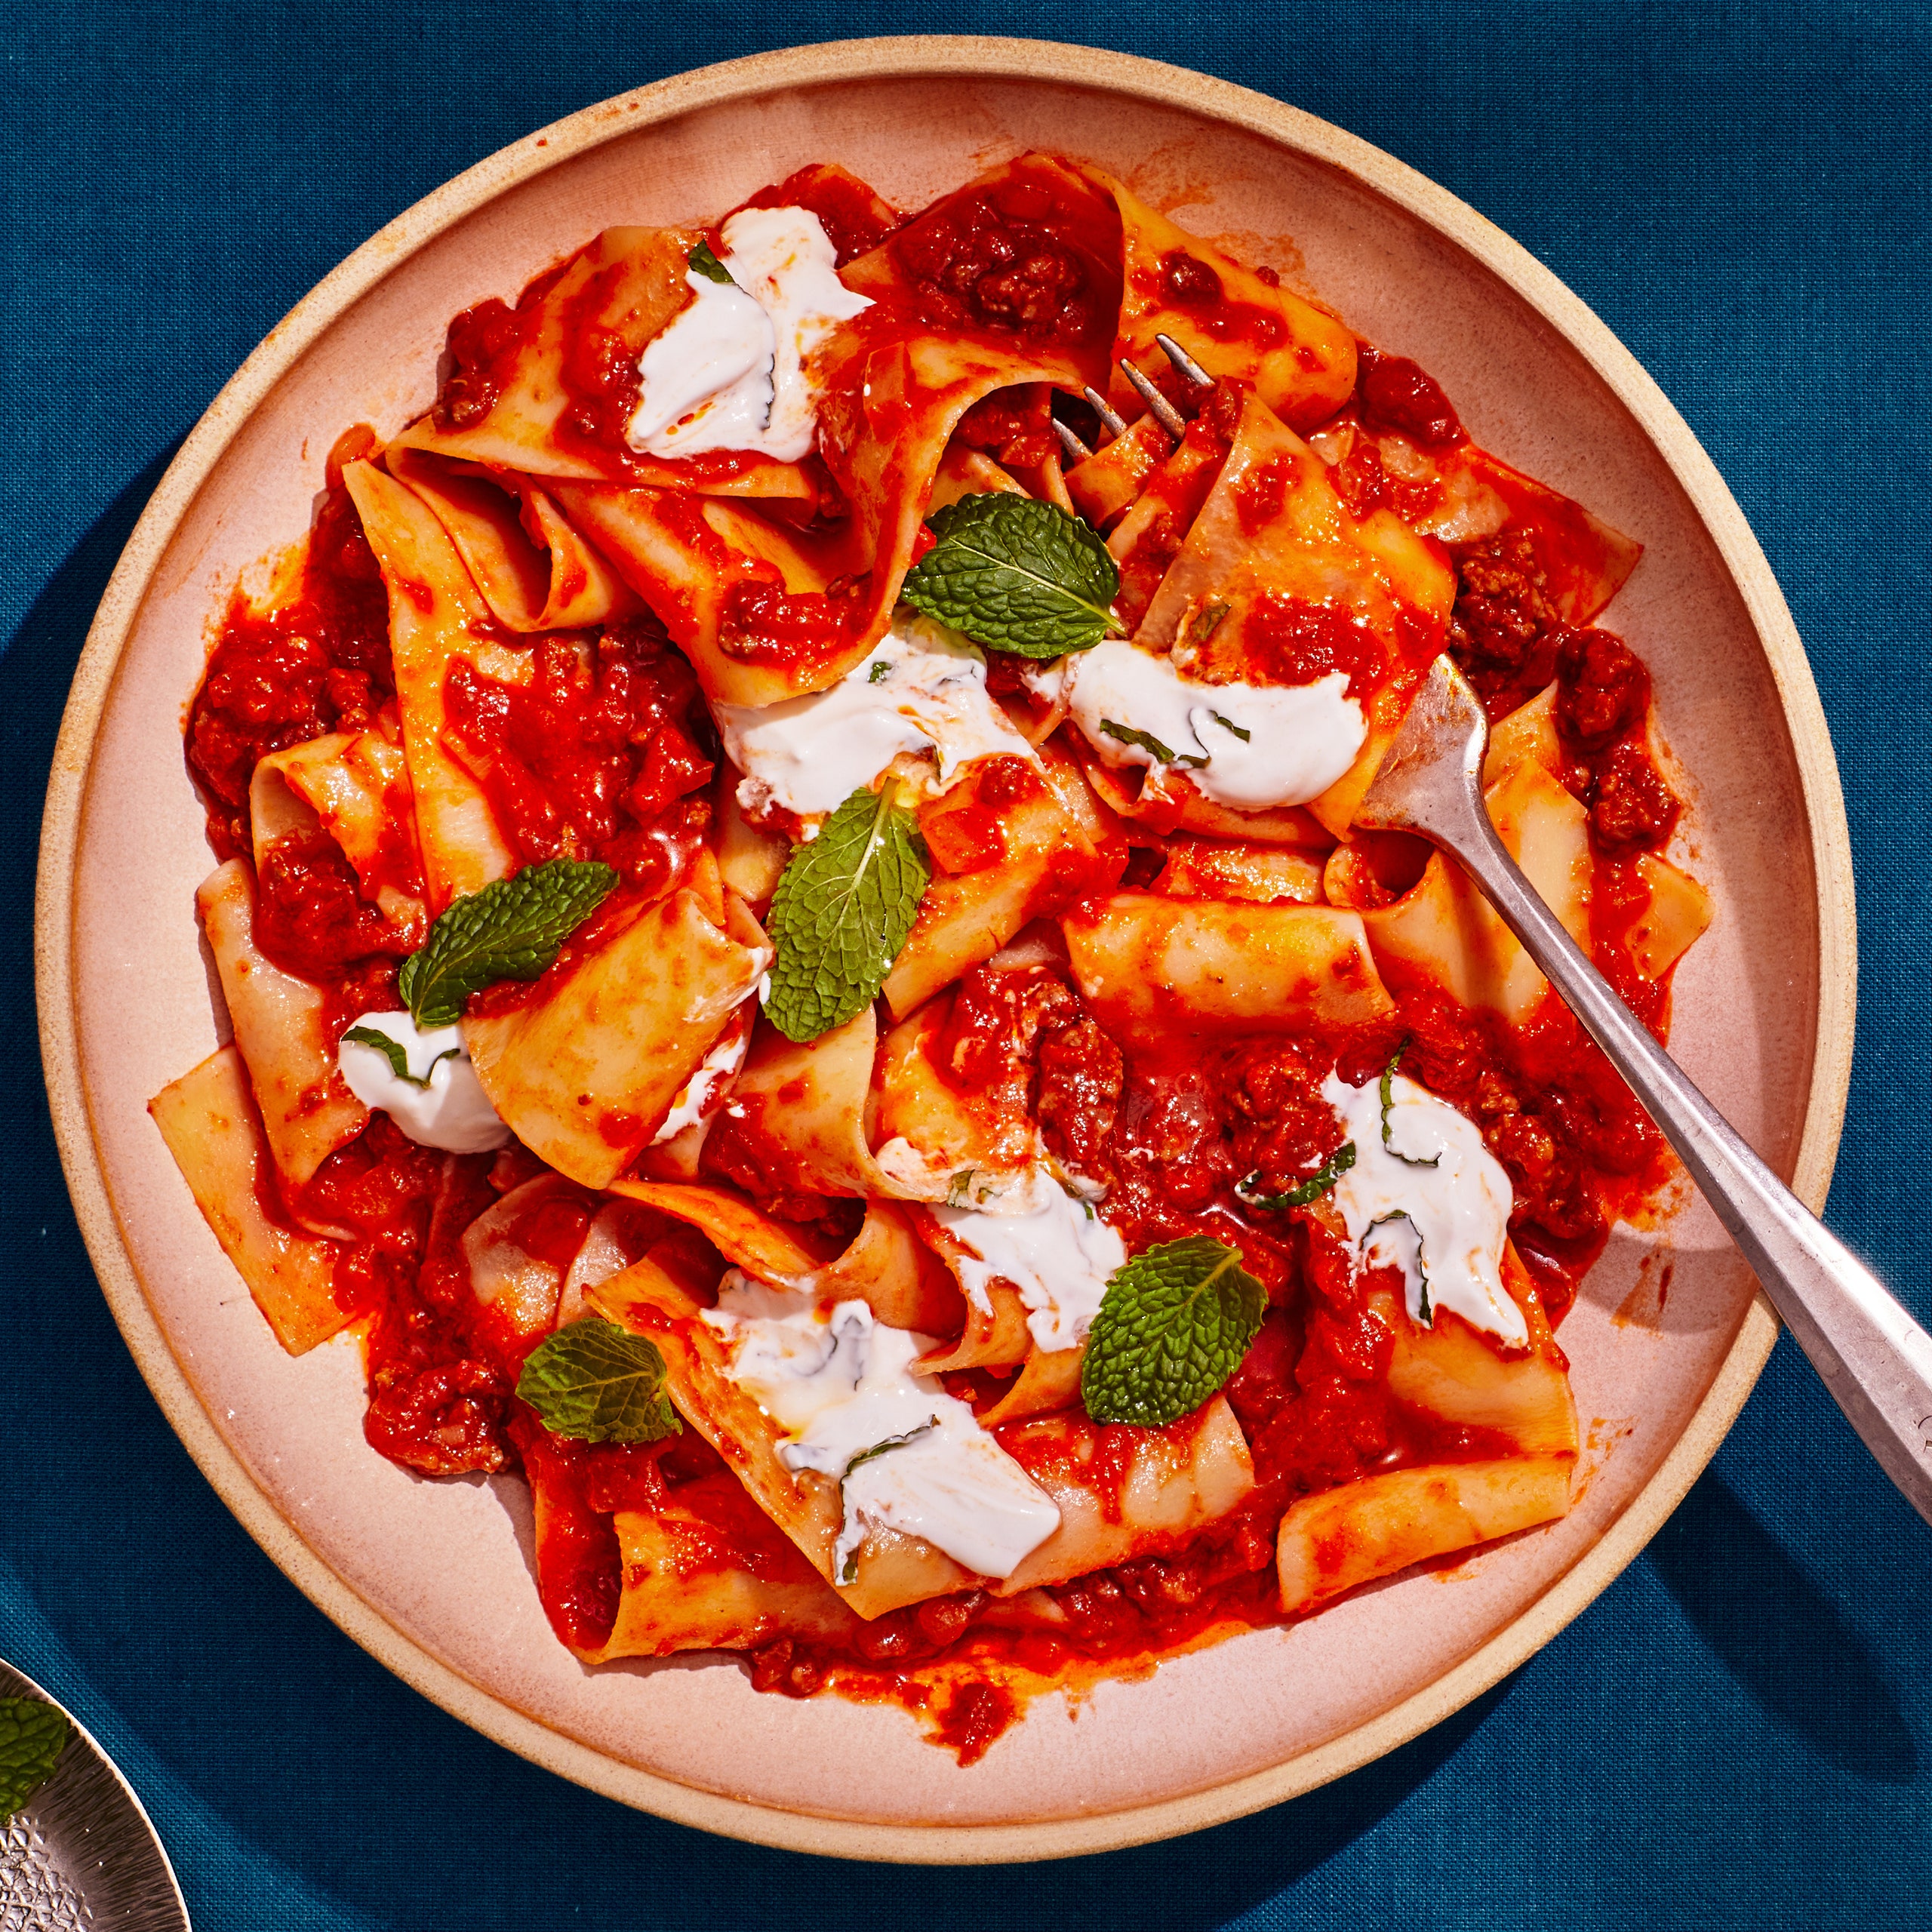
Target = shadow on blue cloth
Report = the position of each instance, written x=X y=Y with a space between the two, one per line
x=1779 y=1635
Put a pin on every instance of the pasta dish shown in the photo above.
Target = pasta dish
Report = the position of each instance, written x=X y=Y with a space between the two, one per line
x=798 y=973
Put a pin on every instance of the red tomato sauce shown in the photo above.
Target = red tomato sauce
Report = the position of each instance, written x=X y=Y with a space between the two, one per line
x=1184 y=281
x=765 y=623
x=1037 y=255
x=310 y=915
x=1392 y=393
x=483 y=344
x=1289 y=640
x=1507 y=638
x=318 y=662
x=597 y=757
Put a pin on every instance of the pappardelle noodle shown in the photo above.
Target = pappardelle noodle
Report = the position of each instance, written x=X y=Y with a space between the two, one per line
x=801 y=973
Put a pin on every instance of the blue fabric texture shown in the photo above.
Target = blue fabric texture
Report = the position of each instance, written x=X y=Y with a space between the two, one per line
x=1737 y=1733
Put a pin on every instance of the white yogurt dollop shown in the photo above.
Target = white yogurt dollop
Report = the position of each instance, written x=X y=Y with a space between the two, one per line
x=1058 y=1256
x=1443 y=1226
x=921 y=684
x=728 y=372
x=841 y=1385
x=451 y=1112
x=1250 y=747
x=723 y=1062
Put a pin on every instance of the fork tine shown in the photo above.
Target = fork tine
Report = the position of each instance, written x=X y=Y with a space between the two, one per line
x=1158 y=407
x=1185 y=363
x=1076 y=450
x=1112 y=420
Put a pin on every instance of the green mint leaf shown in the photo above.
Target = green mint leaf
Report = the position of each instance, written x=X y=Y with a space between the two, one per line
x=701 y=261
x=1204 y=625
x=1016 y=573
x=843 y=905
x=32 y=1735
x=594 y=1381
x=849 y=1571
x=879 y=670
x=1388 y=1100
x=1228 y=724
x=1173 y=1327
x=1305 y=1194
x=509 y=930
x=1132 y=734
x=397 y=1054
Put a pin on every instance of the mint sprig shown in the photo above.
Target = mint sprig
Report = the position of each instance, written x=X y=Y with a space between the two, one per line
x=594 y=1381
x=32 y=1735
x=397 y=1055
x=511 y=930
x=1387 y=1101
x=1016 y=573
x=701 y=261
x=843 y=905
x=1132 y=734
x=1174 y=1325
x=1304 y=1194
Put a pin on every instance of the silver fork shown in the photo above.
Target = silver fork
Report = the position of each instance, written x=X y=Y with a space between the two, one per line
x=1158 y=407
x=1876 y=1359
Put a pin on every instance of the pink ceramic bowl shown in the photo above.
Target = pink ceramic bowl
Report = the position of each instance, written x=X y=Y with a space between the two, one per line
x=435 y=1578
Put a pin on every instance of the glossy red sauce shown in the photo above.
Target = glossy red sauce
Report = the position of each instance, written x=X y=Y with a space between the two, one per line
x=1392 y=393
x=598 y=757
x=1010 y=427
x=599 y=375
x=1183 y=281
x=310 y=915
x=483 y=344
x=1507 y=636
x=765 y=623
x=1289 y=640
x=1036 y=255
x=855 y=220
x=318 y=662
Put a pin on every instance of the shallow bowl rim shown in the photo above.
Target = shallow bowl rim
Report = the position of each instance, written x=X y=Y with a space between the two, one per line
x=904 y=57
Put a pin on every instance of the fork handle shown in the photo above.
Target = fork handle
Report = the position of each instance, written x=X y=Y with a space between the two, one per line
x=1874 y=1358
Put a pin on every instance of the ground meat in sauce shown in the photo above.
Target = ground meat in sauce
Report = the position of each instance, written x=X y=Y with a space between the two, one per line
x=1392 y=393
x=598 y=757
x=319 y=662
x=1003 y=258
x=1507 y=637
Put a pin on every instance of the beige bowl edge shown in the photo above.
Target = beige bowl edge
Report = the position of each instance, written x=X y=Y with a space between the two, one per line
x=54 y=942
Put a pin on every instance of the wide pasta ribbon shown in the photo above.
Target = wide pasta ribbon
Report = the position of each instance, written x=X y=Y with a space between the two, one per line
x=1275 y=544
x=547 y=388
x=1299 y=359
x=535 y=571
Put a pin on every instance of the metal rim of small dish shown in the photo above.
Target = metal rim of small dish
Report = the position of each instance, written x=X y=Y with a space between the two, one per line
x=123 y=1877
x=1093 y=70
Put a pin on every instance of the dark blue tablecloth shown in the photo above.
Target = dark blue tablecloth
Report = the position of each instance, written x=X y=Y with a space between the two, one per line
x=1736 y=1733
